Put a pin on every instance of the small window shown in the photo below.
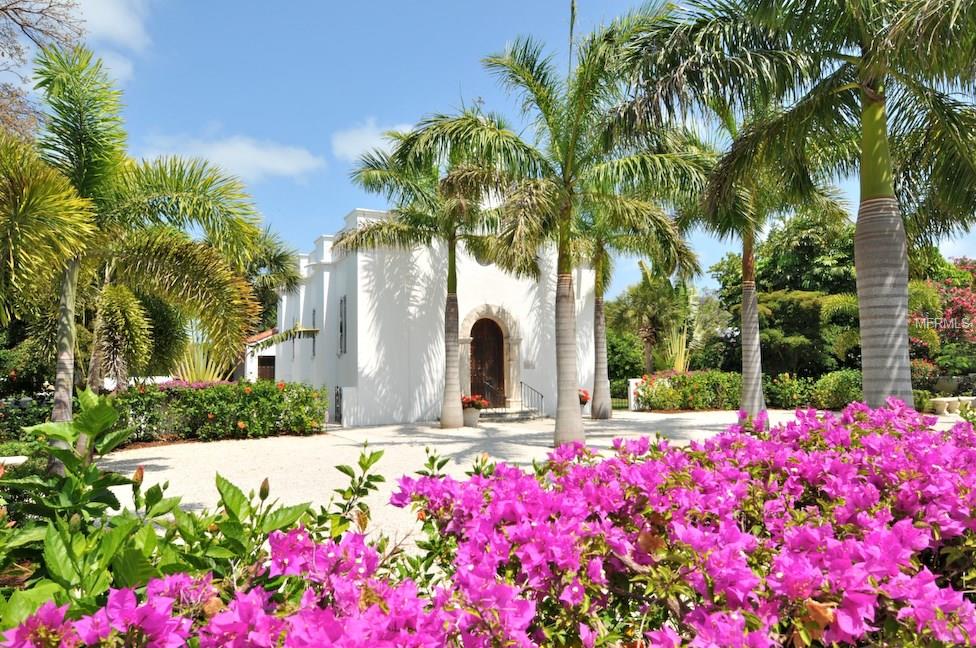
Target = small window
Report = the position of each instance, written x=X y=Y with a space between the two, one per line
x=342 y=325
x=313 y=334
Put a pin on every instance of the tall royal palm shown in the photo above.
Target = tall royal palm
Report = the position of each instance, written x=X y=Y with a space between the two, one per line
x=567 y=169
x=876 y=87
x=144 y=213
x=438 y=199
x=743 y=213
x=601 y=238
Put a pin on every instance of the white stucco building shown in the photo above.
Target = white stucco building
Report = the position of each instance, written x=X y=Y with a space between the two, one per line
x=377 y=331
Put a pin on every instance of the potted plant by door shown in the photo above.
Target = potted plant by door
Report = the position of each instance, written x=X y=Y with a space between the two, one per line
x=584 y=399
x=471 y=407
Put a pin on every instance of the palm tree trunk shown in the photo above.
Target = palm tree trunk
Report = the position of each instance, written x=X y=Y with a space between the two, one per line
x=881 y=264
x=752 y=400
x=569 y=421
x=65 y=377
x=451 y=414
x=601 y=407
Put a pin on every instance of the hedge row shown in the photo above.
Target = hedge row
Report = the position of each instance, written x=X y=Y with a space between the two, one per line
x=704 y=390
x=211 y=411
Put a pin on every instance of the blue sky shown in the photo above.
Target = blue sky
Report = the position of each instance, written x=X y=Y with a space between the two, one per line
x=288 y=95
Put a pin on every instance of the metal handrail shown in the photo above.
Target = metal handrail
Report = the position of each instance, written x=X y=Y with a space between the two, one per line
x=532 y=399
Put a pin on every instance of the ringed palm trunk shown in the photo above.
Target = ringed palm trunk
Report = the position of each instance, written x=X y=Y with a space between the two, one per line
x=881 y=265
x=601 y=406
x=65 y=373
x=65 y=376
x=752 y=400
x=569 y=421
x=451 y=413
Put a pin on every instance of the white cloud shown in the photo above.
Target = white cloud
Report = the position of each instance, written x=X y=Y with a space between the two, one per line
x=116 y=29
x=119 y=67
x=251 y=159
x=349 y=144
x=117 y=23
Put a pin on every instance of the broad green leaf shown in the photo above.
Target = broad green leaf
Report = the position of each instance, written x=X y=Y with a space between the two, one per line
x=367 y=461
x=220 y=552
x=233 y=498
x=113 y=540
x=87 y=398
x=57 y=558
x=63 y=430
x=94 y=421
x=232 y=529
x=25 y=536
x=153 y=494
x=23 y=603
x=131 y=569
x=281 y=518
x=111 y=440
x=346 y=470
x=163 y=506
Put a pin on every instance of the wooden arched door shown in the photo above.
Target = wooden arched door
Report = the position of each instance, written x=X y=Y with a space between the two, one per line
x=488 y=361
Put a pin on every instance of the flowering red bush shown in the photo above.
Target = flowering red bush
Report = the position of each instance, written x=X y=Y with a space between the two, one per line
x=854 y=529
x=584 y=396
x=475 y=401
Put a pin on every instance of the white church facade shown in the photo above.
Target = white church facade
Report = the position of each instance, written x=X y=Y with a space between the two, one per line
x=373 y=331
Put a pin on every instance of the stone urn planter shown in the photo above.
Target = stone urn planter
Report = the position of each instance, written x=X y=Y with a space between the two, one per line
x=966 y=403
x=953 y=406
x=941 y=405
x=471 y=415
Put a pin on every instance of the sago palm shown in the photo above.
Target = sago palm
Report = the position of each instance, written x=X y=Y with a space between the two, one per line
x=143 y=212
x=875 y=87
x=568 y=168
x=436 y=198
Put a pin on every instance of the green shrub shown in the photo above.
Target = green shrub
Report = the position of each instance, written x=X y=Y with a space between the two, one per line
x=838 y=388
x=18 y=413
x=924 y=374
x=618 y=387
x=214 y=411
x=787 y=391
x=923 y=399
x=700 y=390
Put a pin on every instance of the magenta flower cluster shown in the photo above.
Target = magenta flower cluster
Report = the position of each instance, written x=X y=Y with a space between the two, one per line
x=850 y=529
x=827 y=528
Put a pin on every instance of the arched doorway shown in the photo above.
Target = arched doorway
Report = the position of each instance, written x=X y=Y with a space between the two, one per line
x=488 y=361
x=492 y=322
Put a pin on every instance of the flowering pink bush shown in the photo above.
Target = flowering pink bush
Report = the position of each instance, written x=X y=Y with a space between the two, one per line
x=854 y=529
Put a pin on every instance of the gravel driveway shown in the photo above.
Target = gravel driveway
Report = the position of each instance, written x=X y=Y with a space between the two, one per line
x=301 y=469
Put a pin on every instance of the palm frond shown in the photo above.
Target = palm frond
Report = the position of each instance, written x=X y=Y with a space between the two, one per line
x=386 y=233
x=122 y=335
x=43 y=223
x=187 y=194
x=193 y=276
x=83 y=135
x=525 y=70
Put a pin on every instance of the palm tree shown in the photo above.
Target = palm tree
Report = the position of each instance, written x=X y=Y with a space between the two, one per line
x=436 y=198
x=743 y=213
x=602 y=237
x=143 y=212
x=878 y=87
x=272 y=270
x=568 y=169
x=648 y=308
x=43 y=223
